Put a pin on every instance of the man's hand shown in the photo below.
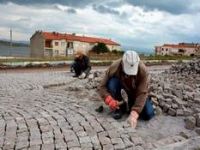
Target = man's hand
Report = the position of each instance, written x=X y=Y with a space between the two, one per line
x=82 y=76
x=112 y=103
x=132 y=119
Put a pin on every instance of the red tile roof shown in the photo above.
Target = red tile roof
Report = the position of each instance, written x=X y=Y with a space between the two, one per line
x=180 y=45
x=71 y=37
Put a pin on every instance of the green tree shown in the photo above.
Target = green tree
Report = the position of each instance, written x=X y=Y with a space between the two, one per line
x=100 y=48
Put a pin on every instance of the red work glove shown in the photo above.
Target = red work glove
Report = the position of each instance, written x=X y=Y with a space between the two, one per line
x=133 y=118
x=112 y=103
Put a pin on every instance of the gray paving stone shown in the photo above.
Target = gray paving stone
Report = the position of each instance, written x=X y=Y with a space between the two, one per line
x=85 y=139
x=75 y=148
x=113 y=134
x=35 y=142
x=58 y=133
x=1 y=140
x=137 y=141
x=35 y=147
x=107 y=126
x=104 y=140
x=130 y=148
x=10 y=124
x=95 y=140
x=48 y=147
x=45 y=128
x=127 y=142
x=116 y=140
x=119 y=146
x=48 y=134
x=59 y=144
x=8 y=144
x=73 y=144
x=148 y=146
x=81 y=133
x=78 y=128
x=198 y=120
x=97 y=127
x=179 y=112
x=22 y=130
x=197 y=130
x=48 y=140
x=130 y=131
x=42 y=121
x=139 y=148
x=104 y=133
x=32 y=123
x=51 y=121
x=86 y=145
x=22 y=144
x=108 y=147
x=70 y=136
x=190 y=122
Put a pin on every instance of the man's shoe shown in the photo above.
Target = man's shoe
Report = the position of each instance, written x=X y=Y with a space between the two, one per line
x=117 y=114
x=75 y=76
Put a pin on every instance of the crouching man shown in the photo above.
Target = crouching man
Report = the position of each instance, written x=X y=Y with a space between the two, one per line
x=81 y=65
x=129 y=74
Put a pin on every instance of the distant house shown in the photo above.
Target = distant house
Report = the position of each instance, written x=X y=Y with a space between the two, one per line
x=186 y=49
x=56 y=44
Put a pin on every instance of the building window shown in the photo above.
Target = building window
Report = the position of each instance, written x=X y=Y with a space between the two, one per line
x=191 y=55
x=70 y=45
x=56 y=52
x=48 y=44
x=63 y=44
x=56 y=43
x=181 y=50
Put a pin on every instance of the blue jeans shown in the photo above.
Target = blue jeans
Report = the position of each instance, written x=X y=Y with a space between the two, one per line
x=114 y=87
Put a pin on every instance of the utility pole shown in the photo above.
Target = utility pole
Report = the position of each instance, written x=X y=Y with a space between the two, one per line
x=10 y=53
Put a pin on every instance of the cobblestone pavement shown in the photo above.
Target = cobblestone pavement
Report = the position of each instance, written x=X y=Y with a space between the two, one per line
x=52 y=110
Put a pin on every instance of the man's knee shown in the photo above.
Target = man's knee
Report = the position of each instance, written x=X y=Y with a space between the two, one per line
x=114 y=86
x=149 y=114
x=148 y=110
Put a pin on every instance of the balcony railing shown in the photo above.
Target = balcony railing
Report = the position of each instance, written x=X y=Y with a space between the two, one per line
x=49 y=48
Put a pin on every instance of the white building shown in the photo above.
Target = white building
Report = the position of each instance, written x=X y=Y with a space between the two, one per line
x=187 y=49
x=56 y=44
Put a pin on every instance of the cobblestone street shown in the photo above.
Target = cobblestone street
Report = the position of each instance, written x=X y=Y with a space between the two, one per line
x=51 y=110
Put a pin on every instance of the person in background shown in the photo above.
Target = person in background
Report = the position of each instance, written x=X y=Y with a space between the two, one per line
x=130 y=74
x=81 y=65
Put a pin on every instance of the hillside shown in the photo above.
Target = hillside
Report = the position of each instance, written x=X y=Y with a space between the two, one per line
x=14 y=43
x=19 y=48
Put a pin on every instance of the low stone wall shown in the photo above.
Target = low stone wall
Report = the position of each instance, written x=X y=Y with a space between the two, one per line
x=44 y=64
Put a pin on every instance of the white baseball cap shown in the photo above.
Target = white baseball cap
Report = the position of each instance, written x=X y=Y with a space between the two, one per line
x=130 y=62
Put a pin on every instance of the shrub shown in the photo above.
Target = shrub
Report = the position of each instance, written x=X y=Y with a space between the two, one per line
x=100 y=48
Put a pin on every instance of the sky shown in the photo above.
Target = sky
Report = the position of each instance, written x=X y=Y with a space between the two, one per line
x=135 y=24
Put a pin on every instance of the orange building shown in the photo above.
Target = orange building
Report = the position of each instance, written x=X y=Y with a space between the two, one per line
x=57 y=44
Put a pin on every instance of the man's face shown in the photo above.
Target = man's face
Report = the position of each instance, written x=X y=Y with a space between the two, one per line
x=128 y=76
x=78 y=56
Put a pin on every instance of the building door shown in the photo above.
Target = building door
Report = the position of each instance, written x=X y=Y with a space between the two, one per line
x=70 y=48
x=48 y=52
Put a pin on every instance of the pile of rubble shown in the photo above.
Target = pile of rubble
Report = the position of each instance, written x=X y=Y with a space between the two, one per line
x=192 y=67
x=94 y=80
x=176 y=91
